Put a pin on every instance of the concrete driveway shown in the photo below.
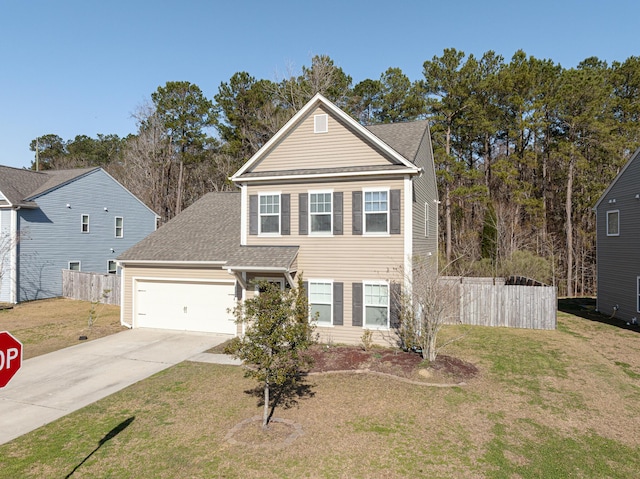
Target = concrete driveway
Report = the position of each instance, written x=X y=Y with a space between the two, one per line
x=50 y=386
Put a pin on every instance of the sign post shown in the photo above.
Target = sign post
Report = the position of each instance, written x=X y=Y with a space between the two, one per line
x=10 y=357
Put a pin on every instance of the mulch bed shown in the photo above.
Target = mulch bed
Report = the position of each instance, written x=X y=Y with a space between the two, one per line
x=408 y=365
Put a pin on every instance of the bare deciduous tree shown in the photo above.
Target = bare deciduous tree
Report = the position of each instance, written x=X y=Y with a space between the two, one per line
x=427 y=303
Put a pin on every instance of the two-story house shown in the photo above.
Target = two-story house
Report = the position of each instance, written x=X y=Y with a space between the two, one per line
x=52 y=220
x=618 y=237
x=346 y=206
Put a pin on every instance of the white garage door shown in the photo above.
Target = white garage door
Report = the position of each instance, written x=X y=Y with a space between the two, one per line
x=188 y=306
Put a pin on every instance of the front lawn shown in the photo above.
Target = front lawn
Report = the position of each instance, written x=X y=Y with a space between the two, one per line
x=546 y=404
x=50 y=324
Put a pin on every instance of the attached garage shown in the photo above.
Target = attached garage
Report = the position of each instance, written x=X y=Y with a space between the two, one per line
x=187 y=274
x=189 y=305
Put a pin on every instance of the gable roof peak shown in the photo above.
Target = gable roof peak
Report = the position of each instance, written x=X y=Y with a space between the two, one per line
x=317 y=100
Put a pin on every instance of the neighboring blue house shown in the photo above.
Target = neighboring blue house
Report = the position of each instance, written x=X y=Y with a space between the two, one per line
x=52 y=220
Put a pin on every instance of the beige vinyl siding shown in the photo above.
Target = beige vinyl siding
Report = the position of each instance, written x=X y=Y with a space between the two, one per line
x=343 y=258
x=129 y=273
x=304 y=149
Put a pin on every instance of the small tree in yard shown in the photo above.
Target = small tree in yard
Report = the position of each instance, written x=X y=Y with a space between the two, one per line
x=427 y=303
x=276 y=339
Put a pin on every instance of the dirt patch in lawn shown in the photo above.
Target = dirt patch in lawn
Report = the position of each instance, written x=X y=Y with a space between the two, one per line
x=404 y=365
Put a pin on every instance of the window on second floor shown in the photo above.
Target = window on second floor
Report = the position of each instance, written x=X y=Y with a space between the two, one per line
x=320 y=210
x=84 y=224
x=613 y=223
x=269 y=214
x=376 y=211
x=119 y=227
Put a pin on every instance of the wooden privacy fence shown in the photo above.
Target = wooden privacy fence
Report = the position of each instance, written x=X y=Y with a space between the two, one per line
x=104 y=288
x=493 y=302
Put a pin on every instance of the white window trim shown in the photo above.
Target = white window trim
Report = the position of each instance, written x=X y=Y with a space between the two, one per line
x=79 y=265
x=115 y=263
x=320 y=233
x=426 y=220
x=324 y=281
x=260 y=215
x=82 y=217
x=638 y=294
x=607 y=225
x=364 y=212
x=115 y=223
x=364 y=305
x=321 y=126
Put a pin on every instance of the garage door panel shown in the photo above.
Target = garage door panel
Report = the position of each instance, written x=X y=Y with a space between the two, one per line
x=184 y=305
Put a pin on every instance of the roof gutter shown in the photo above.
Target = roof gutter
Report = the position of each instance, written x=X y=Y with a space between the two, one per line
x=169 y=263
x=404 y=171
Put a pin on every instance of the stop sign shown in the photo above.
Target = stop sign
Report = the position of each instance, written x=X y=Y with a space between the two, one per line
x=10 y=357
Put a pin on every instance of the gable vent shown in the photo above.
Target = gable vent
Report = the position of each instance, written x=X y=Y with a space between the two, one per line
x=321 y=123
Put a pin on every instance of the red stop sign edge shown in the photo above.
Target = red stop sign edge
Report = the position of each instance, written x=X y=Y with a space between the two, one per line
x=4 y=336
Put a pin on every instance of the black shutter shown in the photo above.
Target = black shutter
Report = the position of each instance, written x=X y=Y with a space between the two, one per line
x=303 y=213
x=338 y=304
x=337 y=212
x=356 y=301
x=356 y=207
x=285 y=214
x=394 y=304
x=395 y=212
x=253 y=214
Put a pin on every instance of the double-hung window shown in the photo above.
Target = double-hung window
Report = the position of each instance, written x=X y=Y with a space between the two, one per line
x=84 y=224
x=321 y=302
x=320 y=210
x=270 y=214
x=376 y=305
x=119 y=227
x=613 y=223
x=112 y=266
x=376 y=211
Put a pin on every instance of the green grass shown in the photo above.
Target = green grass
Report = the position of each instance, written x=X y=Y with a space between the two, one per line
x=535 y=411
x=544 y=453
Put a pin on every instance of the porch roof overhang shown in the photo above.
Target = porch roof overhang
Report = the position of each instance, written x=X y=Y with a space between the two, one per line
x=264 y=259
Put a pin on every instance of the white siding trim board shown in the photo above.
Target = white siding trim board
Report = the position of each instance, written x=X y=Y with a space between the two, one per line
x=408 y=231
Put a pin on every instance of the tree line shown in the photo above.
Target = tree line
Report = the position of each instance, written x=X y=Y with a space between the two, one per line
x=523 y=148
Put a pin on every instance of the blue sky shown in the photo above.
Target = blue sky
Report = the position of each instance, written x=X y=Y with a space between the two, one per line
x=84 y=66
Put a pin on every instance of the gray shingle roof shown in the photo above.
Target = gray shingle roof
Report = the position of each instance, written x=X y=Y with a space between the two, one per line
x=209 y=231
x=21 y=186
x=248 y=258
x=404 y=137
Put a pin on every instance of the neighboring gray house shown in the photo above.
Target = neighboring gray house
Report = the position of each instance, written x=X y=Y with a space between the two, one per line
x=63 y=219
x=618 y=238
